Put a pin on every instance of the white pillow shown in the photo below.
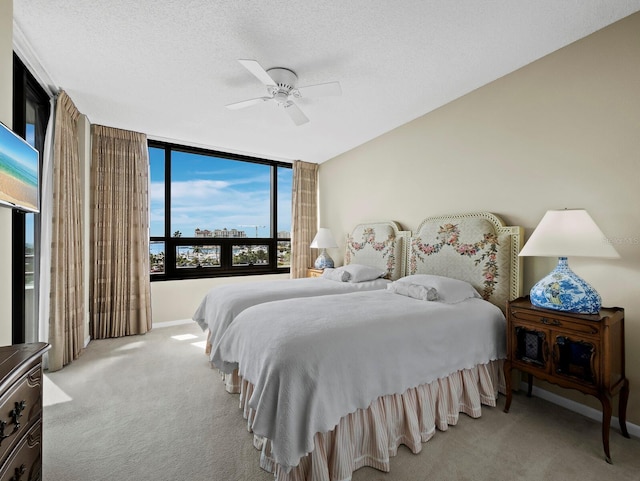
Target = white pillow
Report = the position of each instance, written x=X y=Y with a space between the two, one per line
x=335 y=274
x=416 y=291
x=361 y=273
x=450 y=291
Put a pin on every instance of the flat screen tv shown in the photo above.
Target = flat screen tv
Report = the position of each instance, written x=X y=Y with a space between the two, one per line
x=19 y=172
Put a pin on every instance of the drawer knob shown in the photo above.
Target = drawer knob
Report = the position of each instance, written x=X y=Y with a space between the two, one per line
x=15 y=414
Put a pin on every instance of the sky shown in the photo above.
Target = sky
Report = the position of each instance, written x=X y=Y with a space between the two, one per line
x=214 y=193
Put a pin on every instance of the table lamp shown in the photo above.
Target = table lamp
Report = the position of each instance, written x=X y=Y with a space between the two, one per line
x=563 y=233
x=323 y=240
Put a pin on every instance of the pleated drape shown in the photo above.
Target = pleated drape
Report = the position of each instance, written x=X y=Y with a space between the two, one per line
x=304 y=216
x=66 y=300
x=120 y=288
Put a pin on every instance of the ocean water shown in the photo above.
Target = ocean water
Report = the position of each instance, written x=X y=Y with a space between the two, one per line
x=18 y=170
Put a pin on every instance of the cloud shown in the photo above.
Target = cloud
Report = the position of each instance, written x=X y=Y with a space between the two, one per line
x=195 y=190
x=210 y=204
x=216 y=204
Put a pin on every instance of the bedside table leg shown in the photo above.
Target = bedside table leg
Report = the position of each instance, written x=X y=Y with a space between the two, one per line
x=507 y=384
x=622 y=408
x=605 y=399
x=529 y=384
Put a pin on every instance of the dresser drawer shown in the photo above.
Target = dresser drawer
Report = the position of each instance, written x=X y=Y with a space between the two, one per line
x=550 y=320
x=25 y=461
x=20 y=405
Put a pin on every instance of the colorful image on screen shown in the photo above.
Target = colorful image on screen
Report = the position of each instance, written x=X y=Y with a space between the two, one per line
x=18 y=172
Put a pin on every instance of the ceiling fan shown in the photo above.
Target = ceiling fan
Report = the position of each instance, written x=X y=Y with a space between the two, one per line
x=282 y=86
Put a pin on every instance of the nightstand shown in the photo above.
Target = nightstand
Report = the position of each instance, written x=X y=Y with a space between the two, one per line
x=312 y=272
x=576 y=351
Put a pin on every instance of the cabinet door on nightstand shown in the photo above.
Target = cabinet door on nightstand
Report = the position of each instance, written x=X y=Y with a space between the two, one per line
x=575 y=359
x=531 y=347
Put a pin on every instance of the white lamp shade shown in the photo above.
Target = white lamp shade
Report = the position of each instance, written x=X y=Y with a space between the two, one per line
x=323 y=239
x=568 y=232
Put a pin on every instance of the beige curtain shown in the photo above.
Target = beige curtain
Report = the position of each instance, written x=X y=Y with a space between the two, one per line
x=66 y=299
x=120 y=288
x=304 y=216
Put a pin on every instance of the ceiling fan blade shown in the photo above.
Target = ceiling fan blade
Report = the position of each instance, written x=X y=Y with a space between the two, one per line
x=295 y=113
x=256 y=69
x=320 y=90
x=247 y=103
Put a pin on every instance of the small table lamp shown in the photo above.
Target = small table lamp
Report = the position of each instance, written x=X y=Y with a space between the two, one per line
x=562 y=233
x=323 y=240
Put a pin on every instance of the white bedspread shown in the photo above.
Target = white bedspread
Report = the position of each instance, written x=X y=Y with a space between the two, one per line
x=222 y=304
x=314 y=360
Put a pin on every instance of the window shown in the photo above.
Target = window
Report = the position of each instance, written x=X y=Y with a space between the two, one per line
x=30 y=117
x=216 y=214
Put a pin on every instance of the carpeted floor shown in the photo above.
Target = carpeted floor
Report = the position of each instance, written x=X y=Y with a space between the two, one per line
x=149 y=408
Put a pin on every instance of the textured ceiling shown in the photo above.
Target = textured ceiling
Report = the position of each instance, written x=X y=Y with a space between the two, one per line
x=168 y=68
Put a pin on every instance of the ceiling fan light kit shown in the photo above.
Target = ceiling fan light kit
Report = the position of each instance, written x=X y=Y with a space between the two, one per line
x=281 y=85
x=284 y=78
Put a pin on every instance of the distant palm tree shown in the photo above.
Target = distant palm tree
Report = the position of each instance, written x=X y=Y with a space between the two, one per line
x=197 y=251
x=177 y=234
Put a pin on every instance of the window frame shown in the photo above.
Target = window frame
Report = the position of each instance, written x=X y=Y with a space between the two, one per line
x=226 y=269
x=26 y=89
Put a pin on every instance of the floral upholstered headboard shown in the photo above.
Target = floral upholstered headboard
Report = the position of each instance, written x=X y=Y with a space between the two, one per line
x=477 y=248
x=379 y=244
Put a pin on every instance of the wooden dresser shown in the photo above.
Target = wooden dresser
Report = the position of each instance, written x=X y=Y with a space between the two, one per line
x=576 y=351
x=21 y=411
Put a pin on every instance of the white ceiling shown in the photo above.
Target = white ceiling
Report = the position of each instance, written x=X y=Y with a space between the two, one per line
x=167 y=68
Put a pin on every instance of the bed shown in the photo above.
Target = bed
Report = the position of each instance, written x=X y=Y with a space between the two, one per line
x=332 y=384
x=380 y=246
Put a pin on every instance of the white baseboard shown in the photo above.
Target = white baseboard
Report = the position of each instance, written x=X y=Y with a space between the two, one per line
x=171 y=323
x=596 y=415
x=155 y=325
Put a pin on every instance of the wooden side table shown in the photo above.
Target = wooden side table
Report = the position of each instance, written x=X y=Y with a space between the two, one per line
x=312 y=272
x=576 y=351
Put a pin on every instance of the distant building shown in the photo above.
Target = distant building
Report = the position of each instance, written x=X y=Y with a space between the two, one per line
x=283 y=234
x=203 y=233
x=225 y=233
x=228 y=233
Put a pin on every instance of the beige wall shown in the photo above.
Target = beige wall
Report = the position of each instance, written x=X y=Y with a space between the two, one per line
x=176 y=300
x=6 y=117
x=560 y=132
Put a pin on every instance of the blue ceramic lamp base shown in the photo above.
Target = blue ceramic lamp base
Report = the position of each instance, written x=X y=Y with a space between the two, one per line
x=323 y=261
x=563 y=290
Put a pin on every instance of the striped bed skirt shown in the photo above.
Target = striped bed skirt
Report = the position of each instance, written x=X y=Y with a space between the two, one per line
x=371 y=436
